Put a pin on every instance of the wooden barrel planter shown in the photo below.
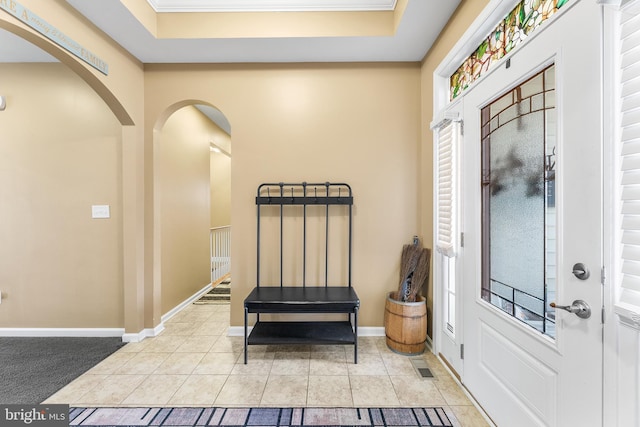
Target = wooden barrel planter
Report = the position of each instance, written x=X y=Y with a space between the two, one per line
x=405 y=325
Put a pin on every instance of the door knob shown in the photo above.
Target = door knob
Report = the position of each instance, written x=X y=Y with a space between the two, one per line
x=581 y=271
x=578 y=307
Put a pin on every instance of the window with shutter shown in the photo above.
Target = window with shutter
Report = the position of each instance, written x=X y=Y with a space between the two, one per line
x=629 y=305
x=447 y=133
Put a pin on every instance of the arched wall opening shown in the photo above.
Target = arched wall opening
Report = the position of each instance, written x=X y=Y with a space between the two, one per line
x=122 y=91
x=74 y=65
x=60 y=155
x=189 y=178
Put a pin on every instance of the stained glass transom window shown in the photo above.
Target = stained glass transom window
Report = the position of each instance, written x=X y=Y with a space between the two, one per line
x=509 y=33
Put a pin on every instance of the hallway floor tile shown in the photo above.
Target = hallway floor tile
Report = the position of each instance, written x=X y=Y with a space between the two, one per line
x=194 y=363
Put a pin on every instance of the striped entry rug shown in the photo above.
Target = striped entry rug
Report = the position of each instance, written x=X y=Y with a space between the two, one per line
x=220 y=294
x=262 y=417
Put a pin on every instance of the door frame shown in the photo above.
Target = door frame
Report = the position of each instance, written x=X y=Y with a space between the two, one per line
x=484 y=23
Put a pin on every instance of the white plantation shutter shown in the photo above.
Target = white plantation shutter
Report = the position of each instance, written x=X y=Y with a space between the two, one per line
x=630 y=135
x=446 y=135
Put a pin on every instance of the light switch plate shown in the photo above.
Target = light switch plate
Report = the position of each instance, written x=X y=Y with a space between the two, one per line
x=100 y=211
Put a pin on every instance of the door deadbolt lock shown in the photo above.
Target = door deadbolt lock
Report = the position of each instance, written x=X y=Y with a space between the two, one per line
x=581 y=271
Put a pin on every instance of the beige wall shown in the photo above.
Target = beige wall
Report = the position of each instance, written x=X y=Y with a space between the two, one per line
x=182 y=180
x=464 y=15
x=366 y=124
x=121 y=90
x=220 y=190
x=60 y=153
x=357 y=123
x=221 y=180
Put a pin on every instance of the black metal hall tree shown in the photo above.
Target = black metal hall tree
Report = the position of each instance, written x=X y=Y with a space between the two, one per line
x=303 y=298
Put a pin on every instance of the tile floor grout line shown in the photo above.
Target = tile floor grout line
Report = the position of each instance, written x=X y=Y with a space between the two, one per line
x=219 y=391
x=135 y=388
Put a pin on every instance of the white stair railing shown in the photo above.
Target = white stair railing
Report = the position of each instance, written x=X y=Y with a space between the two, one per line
x=220 y=249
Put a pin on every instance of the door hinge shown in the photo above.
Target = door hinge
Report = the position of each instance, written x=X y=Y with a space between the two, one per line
x=461 y=128
x=602 y=316
x=462 y=351
x=462 y=240
x=603 y=275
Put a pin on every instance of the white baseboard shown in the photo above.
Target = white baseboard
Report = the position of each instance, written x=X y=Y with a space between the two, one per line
x=134 y=337
x=152 y=332
x=61 y=332
x=371 y=331
x=363 y=331
x=429 y=344
x=149 y=332
x=237 y=331
x=178 y=308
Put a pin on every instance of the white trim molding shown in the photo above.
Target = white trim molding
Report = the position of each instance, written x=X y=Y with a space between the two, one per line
x=479 y=29
x=178 y=308
x=271 y=6
x=61 y=332
x=371 y=331
x=153 y=332
x=443 y=117
x=145 y=333
x=237 y=331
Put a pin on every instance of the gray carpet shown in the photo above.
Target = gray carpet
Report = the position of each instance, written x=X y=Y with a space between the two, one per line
x=32 y=369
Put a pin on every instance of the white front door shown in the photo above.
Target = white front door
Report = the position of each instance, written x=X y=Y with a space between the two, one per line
x=532 y=176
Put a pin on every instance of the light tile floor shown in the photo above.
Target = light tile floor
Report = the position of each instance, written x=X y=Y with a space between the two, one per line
x=194 y=363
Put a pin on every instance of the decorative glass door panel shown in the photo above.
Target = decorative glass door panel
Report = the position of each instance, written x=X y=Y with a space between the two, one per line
x=532 y=210
x=518 y=201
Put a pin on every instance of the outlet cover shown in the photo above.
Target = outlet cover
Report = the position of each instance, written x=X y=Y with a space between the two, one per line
x=100 y=211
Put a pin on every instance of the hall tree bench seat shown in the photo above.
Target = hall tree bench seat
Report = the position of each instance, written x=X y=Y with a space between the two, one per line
x=303 y=299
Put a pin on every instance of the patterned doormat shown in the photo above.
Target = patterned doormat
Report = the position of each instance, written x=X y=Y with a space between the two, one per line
x=221 y=294
x=98 y=417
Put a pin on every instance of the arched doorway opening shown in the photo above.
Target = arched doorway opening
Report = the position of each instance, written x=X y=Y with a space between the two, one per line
x=192 y=194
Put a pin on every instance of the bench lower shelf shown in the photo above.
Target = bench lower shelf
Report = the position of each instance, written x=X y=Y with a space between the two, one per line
x=314 y=333
x=302 y=333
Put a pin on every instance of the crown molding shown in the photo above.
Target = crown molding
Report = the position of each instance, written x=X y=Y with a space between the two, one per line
x=272 y=5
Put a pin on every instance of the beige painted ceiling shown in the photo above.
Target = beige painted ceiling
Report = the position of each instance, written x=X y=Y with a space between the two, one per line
x=228 y=31
x=231 y=31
